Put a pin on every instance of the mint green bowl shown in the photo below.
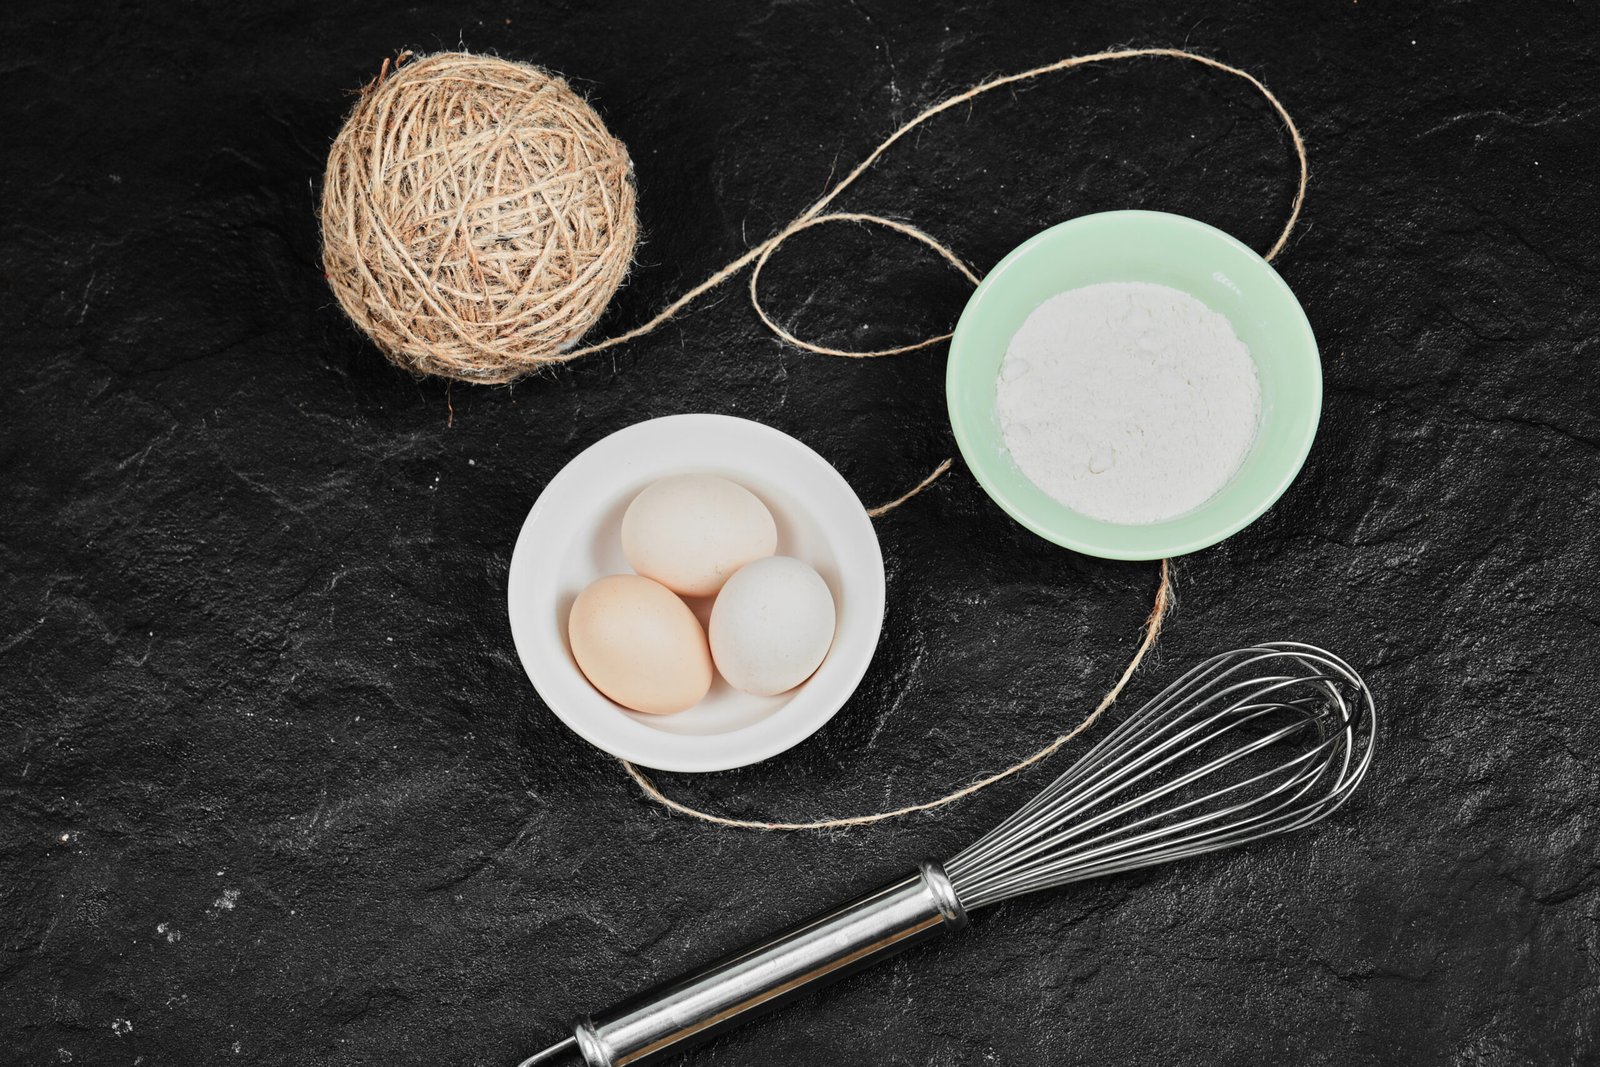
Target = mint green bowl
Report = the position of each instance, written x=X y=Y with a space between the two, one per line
x=1140 y=246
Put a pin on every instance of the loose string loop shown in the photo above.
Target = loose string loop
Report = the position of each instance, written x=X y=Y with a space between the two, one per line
x=814 y=215
x=817 y=215
x=850 y=216
x=1152 y=630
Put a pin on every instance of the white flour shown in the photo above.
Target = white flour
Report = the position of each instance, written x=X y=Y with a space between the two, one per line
x=1128 y=402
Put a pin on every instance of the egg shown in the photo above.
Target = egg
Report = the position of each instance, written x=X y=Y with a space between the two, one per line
x=771 y=626
x=640 y=645
x=691 y=531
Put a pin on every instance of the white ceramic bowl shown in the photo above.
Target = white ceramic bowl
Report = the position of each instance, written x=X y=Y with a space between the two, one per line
x=572 y=536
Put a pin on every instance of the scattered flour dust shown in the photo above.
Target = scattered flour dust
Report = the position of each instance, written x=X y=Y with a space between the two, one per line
x=1128 y=402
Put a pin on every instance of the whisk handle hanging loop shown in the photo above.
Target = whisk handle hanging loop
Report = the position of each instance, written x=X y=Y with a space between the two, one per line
x=667 y=1019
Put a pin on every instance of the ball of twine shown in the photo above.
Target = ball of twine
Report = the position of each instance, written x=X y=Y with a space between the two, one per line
x=477 y=216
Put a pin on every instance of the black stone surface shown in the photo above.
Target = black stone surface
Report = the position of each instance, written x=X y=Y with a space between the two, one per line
x=276 y=791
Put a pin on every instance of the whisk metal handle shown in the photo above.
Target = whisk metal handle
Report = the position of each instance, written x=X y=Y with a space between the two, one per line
x=666 y=1019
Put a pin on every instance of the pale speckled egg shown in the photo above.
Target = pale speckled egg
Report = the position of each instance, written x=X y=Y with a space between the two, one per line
x=640 y=645
x=691 y=531
x=772 y=625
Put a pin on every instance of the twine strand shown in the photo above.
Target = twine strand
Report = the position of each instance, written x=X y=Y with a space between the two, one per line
x=1152 y=630
x=884 y=509
x=815 y=216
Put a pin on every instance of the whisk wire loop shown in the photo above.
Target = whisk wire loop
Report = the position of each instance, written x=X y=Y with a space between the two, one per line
x=1246 y=745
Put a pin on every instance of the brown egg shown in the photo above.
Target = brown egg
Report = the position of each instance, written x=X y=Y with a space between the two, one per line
x=640 y=645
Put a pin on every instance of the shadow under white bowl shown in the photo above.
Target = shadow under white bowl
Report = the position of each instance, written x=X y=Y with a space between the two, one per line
x=573 y=536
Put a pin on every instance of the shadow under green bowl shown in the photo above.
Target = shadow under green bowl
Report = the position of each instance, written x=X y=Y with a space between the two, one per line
x=1140 y=246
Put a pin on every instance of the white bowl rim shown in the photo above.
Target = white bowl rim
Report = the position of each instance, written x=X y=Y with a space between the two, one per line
x=540 y=640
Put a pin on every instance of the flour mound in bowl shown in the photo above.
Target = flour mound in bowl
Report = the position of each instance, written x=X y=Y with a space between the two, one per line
x=1128 y=402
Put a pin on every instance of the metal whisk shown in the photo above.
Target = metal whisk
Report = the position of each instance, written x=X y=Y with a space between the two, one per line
x=1248 y=744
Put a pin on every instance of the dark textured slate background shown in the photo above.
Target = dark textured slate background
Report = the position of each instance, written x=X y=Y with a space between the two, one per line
x=276 y=791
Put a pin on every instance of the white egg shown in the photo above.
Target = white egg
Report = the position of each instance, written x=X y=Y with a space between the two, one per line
x=691 y=531
x=772 y=625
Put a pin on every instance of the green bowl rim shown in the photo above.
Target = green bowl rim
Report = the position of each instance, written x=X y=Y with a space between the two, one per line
x=965 y=434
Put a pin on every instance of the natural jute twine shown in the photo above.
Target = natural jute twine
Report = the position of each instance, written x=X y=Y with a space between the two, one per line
x=452 y=305
x=815 y=216
x=476 y=216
